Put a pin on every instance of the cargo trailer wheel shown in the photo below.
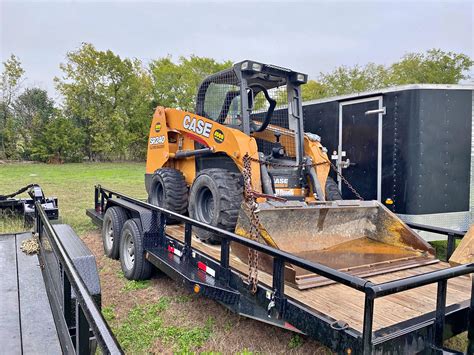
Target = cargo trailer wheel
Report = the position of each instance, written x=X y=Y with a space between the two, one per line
x=168 y=189
x=114 y=219
x=215 y=199
x=332 y=190
x=132 y=257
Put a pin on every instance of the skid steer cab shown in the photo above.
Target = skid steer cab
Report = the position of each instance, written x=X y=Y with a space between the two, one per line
x=248 y=126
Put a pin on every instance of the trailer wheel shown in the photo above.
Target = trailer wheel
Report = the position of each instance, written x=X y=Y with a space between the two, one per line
x=215 y=199
x=168 y=189
x=114 y=219
x=132 y=257
x=332 y=190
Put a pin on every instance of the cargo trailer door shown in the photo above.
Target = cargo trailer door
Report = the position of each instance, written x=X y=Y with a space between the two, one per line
x=359 y=156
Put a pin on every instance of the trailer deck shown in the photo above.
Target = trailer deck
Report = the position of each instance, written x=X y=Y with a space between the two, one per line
x=349 y=306
x=26 y=320
x=409 y=310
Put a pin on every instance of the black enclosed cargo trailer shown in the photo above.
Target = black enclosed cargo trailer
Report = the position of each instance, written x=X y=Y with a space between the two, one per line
x=409 y=147
x=401 y=312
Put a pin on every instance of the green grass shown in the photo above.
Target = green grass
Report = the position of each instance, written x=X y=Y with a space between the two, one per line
x=295 y=342
x=144 y=324
x=10 y=223
x=73 y=184
x=133 y=285
x=108 y=313
x=441 y=246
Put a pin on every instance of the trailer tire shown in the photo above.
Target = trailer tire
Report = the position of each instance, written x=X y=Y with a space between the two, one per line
x=215 y=199
x=114 y=219
x=132 y=255
x=169 y=190
x=332 y=190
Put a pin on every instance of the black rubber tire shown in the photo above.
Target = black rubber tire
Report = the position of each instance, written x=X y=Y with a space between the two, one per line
x=332 y=190
x=114 y=219
x=168 y=189
x=139 y=268
x=215 y=199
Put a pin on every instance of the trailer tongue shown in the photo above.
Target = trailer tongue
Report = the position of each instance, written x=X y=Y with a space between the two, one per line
x=362 y=238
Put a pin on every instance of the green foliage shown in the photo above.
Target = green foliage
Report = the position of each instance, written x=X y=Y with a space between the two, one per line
x=108 y=313
x=175 y=84
x=110 y=100
x=296 y=341
x=435 y=67
x=60 y=141
x=144 y=325
x=441 y=247
x=10 y=84
x=345 y=80
x=132 y=285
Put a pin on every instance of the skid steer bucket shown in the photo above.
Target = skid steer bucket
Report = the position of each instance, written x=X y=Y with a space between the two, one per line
x=359 y=237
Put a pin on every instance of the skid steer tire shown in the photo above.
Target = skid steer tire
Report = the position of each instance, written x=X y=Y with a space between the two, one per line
x=169 y=190
x=132 y=256
x=114 y=219
x=332 y=190
x=215 y=199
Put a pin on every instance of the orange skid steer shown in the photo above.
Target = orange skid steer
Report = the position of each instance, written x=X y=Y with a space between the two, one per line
x=247 y=130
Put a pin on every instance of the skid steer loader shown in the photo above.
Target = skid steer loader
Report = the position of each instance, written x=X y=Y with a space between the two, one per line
x=248 y=129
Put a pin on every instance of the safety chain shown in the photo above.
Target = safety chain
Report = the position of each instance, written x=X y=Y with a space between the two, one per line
x=333 y=167
x=344 y=180
x=249 y=199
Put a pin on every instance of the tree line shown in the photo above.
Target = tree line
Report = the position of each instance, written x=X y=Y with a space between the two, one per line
x=106 y=102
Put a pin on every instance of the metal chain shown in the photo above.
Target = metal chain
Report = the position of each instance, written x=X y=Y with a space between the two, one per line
x=344 y=180
x=249 y=199
x=333 y=167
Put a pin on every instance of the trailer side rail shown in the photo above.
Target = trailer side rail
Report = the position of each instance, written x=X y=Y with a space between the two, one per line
x=366 y=340
x=86 y=313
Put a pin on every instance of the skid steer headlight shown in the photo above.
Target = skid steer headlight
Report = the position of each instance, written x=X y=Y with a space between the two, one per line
x=257 y=66
x=244 y=66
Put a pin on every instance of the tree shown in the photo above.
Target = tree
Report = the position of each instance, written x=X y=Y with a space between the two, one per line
x=313 y=90
x=435 y=67
x=175 y=84
x=32 y=110
x=346 y=80
x=60 y=141
x=107 y=96
x=10 y=84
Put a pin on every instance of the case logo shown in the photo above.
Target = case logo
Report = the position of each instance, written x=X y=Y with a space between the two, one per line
x=197 y=126
x=218 y=136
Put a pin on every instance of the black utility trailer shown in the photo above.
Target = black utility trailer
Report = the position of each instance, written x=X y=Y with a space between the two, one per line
x=404 y=311
x=50 y=301
x=410 y=147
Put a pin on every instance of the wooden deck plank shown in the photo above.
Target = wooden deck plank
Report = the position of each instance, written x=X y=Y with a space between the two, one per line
x=349 y=306
x=10 y=331
x=38 y=331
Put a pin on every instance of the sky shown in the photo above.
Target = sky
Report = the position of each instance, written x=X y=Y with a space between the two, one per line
x=309 y=37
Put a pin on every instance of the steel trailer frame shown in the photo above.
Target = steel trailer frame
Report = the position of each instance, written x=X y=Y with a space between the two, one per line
x=77 y=316
x=186 y=264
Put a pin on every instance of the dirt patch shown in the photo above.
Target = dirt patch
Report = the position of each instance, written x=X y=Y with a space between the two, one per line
x=230 y=332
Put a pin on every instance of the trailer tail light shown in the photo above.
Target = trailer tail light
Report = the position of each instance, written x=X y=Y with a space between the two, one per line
x=174 y=251
x=206 y=269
